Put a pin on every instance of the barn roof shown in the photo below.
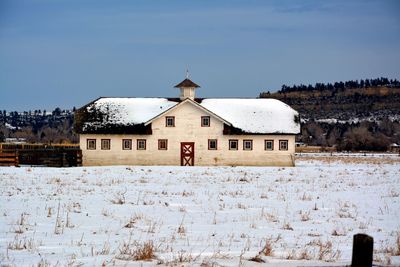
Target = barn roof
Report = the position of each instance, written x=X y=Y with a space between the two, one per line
x=258 y=116
x=261 y=115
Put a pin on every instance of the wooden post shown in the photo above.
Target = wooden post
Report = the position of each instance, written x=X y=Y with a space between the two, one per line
x=16 y=158
x=363 y=246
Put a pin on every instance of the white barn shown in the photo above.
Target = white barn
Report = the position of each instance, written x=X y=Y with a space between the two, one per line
x=187 y=131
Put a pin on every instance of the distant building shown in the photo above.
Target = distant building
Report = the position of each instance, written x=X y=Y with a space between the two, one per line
x=395 y=148
x=187 y=131
x=16 y=140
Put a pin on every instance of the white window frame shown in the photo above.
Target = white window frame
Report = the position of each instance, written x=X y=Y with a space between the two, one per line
x=126 y=141
x=141 y=144
x=210 y=141
x=233 y=141
x=105 y=144
x=284 y=145
x=247 y=141
x=205 y=119
x=91 y=144
x=269 y=141
x=160 y=141
x=170 y=121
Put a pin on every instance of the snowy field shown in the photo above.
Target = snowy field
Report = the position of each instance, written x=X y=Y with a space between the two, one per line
x=201 y=216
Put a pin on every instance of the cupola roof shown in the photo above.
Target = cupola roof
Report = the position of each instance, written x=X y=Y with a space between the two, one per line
x=186 y=83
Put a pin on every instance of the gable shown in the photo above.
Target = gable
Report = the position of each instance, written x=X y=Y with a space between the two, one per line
x=193 y=104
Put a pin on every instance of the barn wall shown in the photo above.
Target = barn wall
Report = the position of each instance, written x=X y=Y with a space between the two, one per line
x=188 y=129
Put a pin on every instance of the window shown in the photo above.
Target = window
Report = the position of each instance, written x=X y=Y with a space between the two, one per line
x=126 y=144
x=141 y=144
x=283 y=144
x=247 y=144
x=170 y=121
x=233 y=144
x=162 y=144
x=269 y=145
x=205 y=121
x=105 y=144
x=91 y=144
x=212 y=144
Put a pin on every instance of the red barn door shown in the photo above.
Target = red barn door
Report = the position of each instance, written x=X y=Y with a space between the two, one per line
x=187 y=154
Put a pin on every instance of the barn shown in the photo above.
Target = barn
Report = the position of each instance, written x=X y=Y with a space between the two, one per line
x=187 y=131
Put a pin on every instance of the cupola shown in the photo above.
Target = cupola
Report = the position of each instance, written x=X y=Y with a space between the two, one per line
x=187 y=88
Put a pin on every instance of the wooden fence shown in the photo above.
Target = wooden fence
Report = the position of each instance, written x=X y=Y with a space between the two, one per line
x=9 y=158
x=69 y=155
x=314 y=149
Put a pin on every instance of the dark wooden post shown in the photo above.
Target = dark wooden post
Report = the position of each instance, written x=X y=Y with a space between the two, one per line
x=16 y=158
x=363 y=246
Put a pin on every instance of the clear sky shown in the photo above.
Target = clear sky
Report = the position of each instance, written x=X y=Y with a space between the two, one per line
x=66 y=53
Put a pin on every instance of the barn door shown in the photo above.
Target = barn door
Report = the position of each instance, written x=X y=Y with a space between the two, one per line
x=187 y=154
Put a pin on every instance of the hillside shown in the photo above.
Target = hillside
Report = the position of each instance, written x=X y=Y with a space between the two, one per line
x=344 y=105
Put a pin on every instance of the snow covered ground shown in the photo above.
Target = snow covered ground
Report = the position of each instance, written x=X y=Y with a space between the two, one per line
x=205 y=216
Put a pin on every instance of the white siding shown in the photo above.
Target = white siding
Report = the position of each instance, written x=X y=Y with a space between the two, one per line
x=188 y=129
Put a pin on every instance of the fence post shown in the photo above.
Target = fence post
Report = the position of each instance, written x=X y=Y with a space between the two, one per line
x=363 y=246
x=16 y=158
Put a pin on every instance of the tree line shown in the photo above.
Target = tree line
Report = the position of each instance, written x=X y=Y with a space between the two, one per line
x=38 y=126
x=366 y=135
x=352 y=84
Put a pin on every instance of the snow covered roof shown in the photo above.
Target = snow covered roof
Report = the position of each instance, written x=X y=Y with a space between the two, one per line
x=258 y=116
x=131 y=110
x=261 y=115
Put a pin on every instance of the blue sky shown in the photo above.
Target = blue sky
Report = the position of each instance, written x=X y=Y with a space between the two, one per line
x=65 y=53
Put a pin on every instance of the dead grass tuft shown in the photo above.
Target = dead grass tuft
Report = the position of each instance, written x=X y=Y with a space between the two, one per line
x=326 y=252
x=137 y=251
x=181 y=257
x=267 y=249
x=397 y=245
x=304 y=216
x=394 y=250
x=21 y=244
x=287 y=226
x=119 y=197
x=306 y=197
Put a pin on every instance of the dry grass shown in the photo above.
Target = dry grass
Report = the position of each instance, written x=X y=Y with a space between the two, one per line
x=178 y=259
x=21 y=244
x=326 y=252
x=394 y=250
x=287 y=226
x=304 y=216
x=145 y=251
x=267 y=249
x=119 y=197
x=397 y=245
x=181 y=228
x=137 y=251
x=306 y=197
